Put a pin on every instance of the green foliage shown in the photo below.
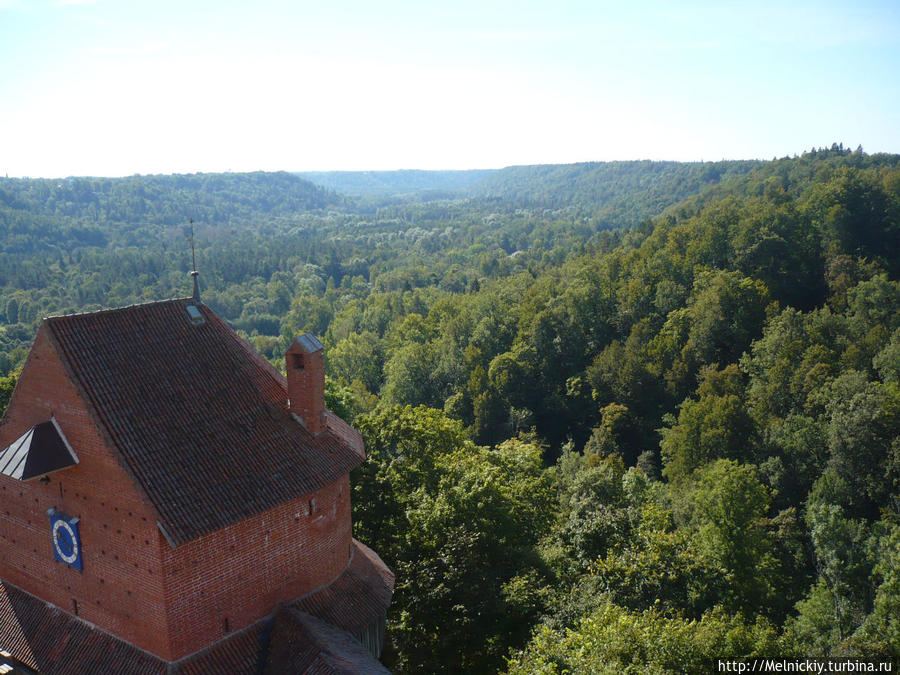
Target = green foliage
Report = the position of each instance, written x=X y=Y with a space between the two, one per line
x=342 y=401
x=7 y=384
x=832 y=620
x=614 y=640
x=428 y=184
x=358 y=357
x=843 y=560
x=613 y=191
x=595 y=511
x=455 y=522
x=816 y=626
x=715 y=426
x=880 y=632
x=659 y=568
x=887 y=361
x=610 y=437
x=864 y=438
x=729 y=506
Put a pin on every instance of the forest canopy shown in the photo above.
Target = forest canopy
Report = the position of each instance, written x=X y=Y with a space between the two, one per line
x=623 y=415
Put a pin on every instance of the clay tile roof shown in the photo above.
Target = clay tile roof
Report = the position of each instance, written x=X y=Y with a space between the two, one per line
x=52 y=641
x=198 y=417
x=304 y=644
x=241 y=653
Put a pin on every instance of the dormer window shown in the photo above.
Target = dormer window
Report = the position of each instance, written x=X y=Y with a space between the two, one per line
x=194 y=314
x=39 y=451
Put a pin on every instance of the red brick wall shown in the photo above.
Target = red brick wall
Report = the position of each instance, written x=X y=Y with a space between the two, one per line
x=240 y=573
x=121 y=586
x=168 y=601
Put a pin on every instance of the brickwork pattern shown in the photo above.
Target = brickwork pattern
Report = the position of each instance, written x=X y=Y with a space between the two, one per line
x=230 y=578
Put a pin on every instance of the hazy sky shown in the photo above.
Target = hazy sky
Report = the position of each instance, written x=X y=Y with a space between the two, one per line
x=117 y=87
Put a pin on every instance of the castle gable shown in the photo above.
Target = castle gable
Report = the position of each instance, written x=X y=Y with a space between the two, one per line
x=199 y=419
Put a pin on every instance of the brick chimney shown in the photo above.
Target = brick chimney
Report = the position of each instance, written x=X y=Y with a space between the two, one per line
x=305 y=367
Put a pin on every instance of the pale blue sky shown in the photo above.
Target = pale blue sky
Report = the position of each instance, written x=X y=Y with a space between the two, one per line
x=116 y=87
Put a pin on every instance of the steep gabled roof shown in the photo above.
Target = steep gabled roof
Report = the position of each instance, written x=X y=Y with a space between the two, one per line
x=197 y=416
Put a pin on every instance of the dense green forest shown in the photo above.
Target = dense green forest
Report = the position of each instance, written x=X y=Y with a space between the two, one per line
x=395 y=183
x=627 y=415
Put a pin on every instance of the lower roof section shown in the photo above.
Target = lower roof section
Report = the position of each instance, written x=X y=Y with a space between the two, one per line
x=301 y=643
x=355 y=599
x=322 y=630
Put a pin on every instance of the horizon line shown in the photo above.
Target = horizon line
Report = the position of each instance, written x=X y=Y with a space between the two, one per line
x=402 y=170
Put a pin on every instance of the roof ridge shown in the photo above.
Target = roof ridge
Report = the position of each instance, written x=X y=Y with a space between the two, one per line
x=110 y=310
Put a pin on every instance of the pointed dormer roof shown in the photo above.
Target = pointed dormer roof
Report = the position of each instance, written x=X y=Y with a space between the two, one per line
x=41 y=450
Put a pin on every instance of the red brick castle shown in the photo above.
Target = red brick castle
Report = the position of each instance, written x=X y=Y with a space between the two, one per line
x=170 y=503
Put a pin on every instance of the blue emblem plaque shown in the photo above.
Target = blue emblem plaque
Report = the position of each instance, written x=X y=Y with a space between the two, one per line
x=66 y=542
